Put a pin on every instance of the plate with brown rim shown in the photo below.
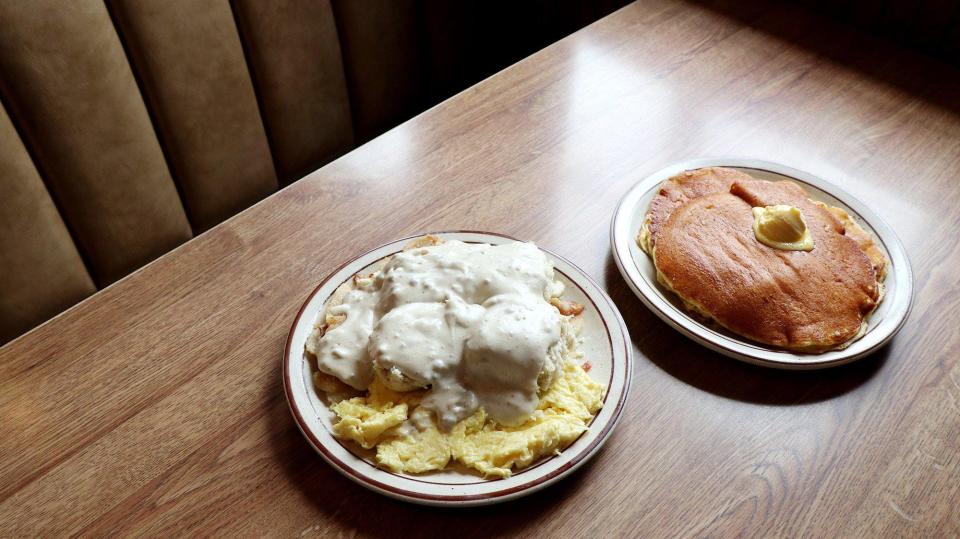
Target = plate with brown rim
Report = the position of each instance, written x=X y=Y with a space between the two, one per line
x=638 y=270
x=605 y=344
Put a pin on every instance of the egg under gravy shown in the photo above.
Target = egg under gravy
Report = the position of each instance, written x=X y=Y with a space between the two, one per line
x=462 y=357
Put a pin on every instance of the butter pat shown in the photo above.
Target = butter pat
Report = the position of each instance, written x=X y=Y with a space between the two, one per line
x=782 y=227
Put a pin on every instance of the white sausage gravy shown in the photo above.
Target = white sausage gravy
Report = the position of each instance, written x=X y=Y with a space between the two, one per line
x=471 y=322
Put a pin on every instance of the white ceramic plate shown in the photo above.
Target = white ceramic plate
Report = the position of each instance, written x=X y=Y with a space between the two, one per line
x=606 y=345
x=639 y=271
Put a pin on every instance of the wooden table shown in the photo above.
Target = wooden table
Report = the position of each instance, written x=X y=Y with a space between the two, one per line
x=155 y=406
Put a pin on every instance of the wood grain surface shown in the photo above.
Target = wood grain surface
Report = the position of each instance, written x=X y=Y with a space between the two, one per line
x=155 y=408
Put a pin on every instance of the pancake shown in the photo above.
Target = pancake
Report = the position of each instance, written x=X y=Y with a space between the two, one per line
x=704 y=248
x=679 y=190
x=756 y=191
x=863 y=238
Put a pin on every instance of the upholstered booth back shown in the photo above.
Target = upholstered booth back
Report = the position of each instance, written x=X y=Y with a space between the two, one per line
x=128 y=126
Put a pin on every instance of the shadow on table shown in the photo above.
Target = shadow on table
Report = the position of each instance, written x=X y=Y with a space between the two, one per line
x=867 y=47
x=337 y=499
x=709 y=371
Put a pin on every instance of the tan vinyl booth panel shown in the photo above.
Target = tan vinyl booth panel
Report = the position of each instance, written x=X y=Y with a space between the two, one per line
x=387 y=66
x=192 y=70
x=128 y=126
x=294 y=54
x=68 y=87
x=41 y=271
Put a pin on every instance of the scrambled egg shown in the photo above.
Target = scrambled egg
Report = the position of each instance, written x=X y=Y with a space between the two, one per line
x=407 y=438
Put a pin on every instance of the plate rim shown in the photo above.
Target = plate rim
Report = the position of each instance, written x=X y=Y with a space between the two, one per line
x=756 y=353
x=462 y=500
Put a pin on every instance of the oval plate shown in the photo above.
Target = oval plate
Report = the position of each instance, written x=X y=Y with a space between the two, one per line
x=606 y=345
x=640 y=273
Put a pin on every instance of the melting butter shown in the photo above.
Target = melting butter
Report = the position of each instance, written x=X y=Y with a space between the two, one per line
x=471 y=322
x=782 y=227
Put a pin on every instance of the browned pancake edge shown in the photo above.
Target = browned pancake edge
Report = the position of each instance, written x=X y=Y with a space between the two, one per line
x=704 y=249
